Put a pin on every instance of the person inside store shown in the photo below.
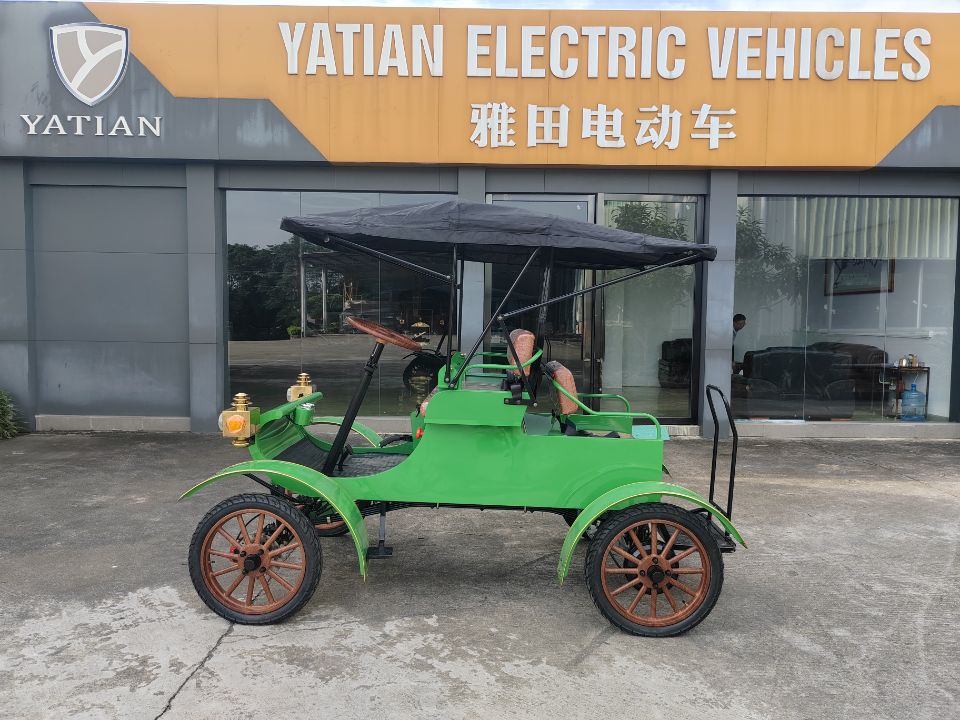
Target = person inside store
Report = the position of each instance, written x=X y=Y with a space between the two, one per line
x=739 y=322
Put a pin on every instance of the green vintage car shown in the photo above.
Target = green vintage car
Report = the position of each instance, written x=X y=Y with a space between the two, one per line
x=486 y=437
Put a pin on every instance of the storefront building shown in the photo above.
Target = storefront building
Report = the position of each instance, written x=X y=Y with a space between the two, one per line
x=149 y=152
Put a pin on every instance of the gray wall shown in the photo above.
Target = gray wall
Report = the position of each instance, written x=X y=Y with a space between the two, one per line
x=16 y=279
x=111 y=288
x=716 y=298
x=110 y=300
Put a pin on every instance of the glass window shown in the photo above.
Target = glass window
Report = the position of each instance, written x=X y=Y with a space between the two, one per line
x=289 y=300
x=263 y=297
x=648 y=322
x=837 y=293
x=567 y=325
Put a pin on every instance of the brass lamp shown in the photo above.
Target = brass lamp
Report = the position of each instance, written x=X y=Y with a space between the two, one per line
x=237 y=421
x=303 y=388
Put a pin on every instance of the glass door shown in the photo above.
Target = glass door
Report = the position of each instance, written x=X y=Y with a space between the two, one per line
x=648 y=330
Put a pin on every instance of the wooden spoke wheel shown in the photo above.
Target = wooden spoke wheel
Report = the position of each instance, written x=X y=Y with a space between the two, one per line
x=331 y=528
x=255 y=559
x=654 y=569
x=326 y=521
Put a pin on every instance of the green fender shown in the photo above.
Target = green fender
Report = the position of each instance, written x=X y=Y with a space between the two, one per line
x=366 y=432
x=624 y=496
x=303 y=481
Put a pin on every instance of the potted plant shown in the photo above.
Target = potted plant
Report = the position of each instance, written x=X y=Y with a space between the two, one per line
x=293 y=331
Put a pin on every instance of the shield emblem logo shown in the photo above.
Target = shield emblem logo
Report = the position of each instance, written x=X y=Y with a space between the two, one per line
x=90 y=58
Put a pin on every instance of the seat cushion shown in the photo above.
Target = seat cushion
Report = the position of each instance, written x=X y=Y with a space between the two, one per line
x=525 y=344
x=564 y=378
x=426 y=401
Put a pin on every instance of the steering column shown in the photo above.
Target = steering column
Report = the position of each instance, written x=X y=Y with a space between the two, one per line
x=383 y=336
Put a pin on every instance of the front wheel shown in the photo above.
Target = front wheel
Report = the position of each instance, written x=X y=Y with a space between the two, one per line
x=420 y=375
x=255 y=559
x=654 y=570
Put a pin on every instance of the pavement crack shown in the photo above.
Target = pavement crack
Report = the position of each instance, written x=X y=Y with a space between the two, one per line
x=589 y=647
x=535 y=561
x=196 y=668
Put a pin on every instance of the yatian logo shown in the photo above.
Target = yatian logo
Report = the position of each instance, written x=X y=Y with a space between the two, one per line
x=90 y=58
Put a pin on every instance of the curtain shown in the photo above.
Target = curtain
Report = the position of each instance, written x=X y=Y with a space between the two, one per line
x=907 y=228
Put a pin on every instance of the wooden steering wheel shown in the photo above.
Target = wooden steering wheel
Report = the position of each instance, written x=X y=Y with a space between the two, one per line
x=382 y=334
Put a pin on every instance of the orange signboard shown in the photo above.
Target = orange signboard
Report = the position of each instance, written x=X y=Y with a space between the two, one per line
x=564 y=87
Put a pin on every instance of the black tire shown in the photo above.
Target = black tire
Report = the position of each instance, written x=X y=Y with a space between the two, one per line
x=420 y=374
x=391 y=439
x=601 y=569
x=288 y=525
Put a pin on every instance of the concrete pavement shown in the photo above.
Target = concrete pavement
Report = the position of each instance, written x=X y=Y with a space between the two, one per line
x=845 y=605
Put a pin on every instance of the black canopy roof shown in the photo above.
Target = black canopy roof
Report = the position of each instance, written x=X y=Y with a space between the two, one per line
x=494 y=233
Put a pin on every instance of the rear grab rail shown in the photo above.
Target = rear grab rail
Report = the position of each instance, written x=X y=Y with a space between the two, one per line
x=711 y=390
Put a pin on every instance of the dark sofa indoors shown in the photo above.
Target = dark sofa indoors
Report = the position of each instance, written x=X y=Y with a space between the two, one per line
x=794 y=383
x=821 y=381
x=673 y=369
x=866 y=365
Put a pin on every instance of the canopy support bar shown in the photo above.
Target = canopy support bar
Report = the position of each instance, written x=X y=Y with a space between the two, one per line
x=593 y=288
x=452 y=310
x=544 y=296
x=494 y=317
x=460 y=309
x=392 y=259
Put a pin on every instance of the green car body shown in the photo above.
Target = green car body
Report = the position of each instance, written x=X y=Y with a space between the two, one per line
x=474 y=446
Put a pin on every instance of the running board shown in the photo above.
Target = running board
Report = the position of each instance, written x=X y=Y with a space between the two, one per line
x=726 y=543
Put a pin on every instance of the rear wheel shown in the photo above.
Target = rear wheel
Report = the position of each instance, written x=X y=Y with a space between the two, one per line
x=654 y=570
x=255 y=559
x=332 y=528
x=326 y=521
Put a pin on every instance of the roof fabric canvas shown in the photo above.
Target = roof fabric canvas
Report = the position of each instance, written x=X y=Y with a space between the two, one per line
x=494 y=233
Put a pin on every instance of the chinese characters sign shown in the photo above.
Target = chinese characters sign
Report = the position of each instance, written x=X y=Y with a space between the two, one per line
x=659 y=126
x=565 y=87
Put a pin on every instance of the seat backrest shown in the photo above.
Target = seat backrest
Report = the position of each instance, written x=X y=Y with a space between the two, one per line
x=426 y=401
x=525 y=343
x=564 y=378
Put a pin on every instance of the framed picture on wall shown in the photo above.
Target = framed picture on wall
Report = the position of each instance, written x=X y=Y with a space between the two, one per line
x=858 y=277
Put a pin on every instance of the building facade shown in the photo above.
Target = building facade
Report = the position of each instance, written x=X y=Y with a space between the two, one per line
x=149 y=152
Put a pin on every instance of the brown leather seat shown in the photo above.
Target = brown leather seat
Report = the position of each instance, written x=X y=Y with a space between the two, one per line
x=426 y=401
x=563 y=377
x=525 y=343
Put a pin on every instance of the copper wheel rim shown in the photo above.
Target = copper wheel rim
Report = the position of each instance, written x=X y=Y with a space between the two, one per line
x=660 y=584
x=253 y=561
